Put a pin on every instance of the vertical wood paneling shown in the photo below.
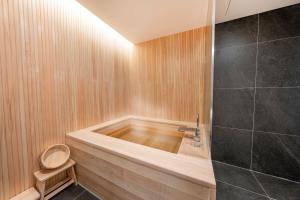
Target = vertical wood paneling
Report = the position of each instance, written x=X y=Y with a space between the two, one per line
x=58 y=72
x=170 y=76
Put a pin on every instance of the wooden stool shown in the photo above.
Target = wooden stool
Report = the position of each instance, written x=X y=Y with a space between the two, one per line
x=43 y=175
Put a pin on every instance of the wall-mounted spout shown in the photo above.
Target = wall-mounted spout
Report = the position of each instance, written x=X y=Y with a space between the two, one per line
x=196 y=131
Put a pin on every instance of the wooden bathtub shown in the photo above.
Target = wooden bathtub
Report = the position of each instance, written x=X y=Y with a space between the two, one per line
x=141 y=158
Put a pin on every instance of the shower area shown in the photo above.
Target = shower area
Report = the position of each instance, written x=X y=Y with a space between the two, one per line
x=256 y=121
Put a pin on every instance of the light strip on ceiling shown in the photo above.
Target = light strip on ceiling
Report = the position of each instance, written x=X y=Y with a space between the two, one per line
x=105 y=28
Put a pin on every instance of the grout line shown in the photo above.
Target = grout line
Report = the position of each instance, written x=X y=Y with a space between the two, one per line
x=259 y=87
x=236 y=46
x=79 y=195
x=269 y=132
x=254 y=95
x=284 y=87
x=276 y=177
x=283 y=134
x=259 y=183
x=279 y=39
x=241 y=88
x=86 y=189
x=252 y=43
x=239 y=129
x=242 y=188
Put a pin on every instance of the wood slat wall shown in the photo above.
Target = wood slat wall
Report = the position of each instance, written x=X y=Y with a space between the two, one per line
x=58 y=72
x=170 y=76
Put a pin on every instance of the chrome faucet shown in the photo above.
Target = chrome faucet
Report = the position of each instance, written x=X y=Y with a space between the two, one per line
x=196 y=130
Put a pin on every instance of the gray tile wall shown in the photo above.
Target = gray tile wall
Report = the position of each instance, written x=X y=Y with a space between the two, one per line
x=256 y=108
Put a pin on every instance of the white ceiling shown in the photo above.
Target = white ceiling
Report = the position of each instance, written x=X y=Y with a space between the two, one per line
x=142 y=20
x=227 y=10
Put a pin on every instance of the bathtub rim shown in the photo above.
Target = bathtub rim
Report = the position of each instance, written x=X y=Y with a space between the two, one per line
x=197 y=170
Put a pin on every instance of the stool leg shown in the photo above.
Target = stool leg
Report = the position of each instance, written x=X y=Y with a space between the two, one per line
x=41 y=188
x=71 y=173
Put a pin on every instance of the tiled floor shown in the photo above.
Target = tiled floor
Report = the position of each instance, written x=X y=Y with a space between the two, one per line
x=74 y=193
x=234 y=183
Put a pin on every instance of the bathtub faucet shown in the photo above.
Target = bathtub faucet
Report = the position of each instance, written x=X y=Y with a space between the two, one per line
x=196 y=130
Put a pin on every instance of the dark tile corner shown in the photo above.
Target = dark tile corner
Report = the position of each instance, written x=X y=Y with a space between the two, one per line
x=232 y=146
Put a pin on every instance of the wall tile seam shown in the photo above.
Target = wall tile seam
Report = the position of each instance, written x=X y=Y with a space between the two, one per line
x=236 y=46
x=254 y=95
x=259 y=87
x=259 y=131
x=254 y=43
x=242 y=88
x=274 y=133
x=285 y=87
x=278 y=39
x=238 y=129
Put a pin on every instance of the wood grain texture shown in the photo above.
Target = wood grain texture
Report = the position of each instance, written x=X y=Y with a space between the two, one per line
x=106 y=174
x=58 y=72
x=169 y=77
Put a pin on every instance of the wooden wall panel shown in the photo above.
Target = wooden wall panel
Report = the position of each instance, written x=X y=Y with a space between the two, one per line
x=170 y=76
x=58 y=72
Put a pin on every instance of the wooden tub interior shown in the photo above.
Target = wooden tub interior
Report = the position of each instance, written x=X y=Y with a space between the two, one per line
x=155 y=135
